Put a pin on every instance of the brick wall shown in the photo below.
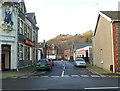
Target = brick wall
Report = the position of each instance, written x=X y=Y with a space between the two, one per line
x=118 y=44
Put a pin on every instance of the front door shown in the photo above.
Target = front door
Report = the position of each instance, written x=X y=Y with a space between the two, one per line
x=3 y=62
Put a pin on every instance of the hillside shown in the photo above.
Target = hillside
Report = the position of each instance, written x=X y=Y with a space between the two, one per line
x=66 y=41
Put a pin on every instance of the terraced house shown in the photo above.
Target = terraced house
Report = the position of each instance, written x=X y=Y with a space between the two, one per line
x=106 y=41
x=18 y=36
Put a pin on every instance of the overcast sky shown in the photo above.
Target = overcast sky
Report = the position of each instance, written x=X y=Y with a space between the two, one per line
x=56 y=17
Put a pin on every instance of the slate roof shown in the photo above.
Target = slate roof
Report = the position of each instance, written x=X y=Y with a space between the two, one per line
x=80 y=45
x=114 y=15
x=31 y=17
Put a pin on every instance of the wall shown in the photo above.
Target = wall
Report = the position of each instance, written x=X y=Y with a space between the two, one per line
x=102 y=44
x=9 y=37
x=117 y=28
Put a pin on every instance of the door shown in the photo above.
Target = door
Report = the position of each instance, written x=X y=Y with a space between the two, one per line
x=3 y=62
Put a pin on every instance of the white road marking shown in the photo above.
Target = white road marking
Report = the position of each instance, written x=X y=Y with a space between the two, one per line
x=44 y=76
x=95 y=72
x=43 y=72
x=66 y=76
x=62 y=73
x=54 y=76
x=64 y=66
x=34 y=76
x=95 y=76
x=14 y=77
x=75 y=76
x=104 y=88
x=84 y=75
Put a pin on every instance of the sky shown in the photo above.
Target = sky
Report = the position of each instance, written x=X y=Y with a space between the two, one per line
x=72 y=17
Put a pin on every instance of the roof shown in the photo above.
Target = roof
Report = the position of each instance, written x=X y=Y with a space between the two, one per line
x=111 y=16
x=114 y=15
x=31 y=17
x=80 y=45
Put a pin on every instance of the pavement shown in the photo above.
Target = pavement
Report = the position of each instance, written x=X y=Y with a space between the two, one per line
x=22 y=72
x=30 y=70
x=102 y=72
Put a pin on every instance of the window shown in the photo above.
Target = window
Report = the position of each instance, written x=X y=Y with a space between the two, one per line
x=21 y=27
x=28 y=32
x=53 y=52
x=21 y=52
x=25 y=31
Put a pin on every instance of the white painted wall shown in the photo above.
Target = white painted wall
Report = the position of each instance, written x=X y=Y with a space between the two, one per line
x=31 y=53
x=85 y=48
x=9 y=37
x=39 y=54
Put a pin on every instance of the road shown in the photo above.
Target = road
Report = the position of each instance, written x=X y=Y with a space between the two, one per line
x=64 y=75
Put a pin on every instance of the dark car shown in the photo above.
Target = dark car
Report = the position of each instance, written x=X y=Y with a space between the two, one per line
x=44 y=64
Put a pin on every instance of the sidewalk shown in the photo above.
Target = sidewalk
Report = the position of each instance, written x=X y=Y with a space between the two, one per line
x=102 y=72
x=24 y=71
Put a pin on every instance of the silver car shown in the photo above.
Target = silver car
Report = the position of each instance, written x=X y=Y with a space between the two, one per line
x=80 y=62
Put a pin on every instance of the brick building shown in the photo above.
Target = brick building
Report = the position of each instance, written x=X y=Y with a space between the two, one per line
x=52 y=51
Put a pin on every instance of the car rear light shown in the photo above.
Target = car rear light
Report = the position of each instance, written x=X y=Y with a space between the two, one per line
x=48 y=64
x=37 y=65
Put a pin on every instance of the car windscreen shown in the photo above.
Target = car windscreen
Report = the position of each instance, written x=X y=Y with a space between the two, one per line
x=79 y=60
x=42 y=62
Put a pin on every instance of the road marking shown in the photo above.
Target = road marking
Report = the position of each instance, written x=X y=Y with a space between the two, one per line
x=84 y=75
x=34 y=76
x=95 y=76
x=66 y=76
x=54 y=76
x=64 y=66
x=62 y=73
x=14 y=77
x=44 y=76
x=104 y=88
x=75 y=76
x=43 y=72
x=95 y=72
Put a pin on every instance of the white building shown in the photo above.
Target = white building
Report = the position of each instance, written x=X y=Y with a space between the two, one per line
x=18 y=36
x=85 y=52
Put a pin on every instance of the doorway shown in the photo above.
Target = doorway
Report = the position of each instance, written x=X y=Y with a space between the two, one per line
x=5 y=62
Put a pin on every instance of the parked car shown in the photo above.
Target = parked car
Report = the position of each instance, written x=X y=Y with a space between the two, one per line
x=44 y=64
x=52 y=62
x=80 y=62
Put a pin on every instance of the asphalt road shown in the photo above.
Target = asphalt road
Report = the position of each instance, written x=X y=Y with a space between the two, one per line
x=64 y=75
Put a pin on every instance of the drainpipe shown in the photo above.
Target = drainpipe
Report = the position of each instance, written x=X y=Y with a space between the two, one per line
x=93 y=50
x=112 y=47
